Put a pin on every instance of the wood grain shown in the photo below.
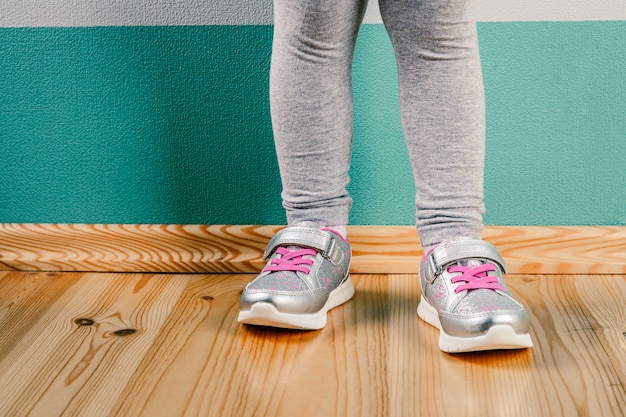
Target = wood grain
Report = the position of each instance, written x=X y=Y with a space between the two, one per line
x=59 y=366
x=239 y=249
x=67 y=349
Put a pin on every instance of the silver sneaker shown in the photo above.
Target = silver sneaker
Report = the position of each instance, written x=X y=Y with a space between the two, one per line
x=464 y=296
x=307 y=275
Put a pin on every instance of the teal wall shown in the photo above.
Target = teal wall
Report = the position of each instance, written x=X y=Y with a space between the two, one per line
x=170 y=124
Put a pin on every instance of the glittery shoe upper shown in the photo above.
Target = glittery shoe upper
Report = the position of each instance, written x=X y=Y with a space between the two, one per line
x=462 y=282
x=305 y=266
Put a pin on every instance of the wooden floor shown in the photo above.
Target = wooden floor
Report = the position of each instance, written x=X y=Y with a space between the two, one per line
x=108 y=344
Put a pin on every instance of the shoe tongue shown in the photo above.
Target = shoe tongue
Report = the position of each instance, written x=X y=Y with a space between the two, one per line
x=471 y=263
x=295 y=247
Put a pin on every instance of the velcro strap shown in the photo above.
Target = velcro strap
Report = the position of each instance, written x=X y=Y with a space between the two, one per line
x=450 y=252
x=301 y=236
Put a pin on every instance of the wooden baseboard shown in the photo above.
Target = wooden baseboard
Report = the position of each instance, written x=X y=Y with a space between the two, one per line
x=239 y=249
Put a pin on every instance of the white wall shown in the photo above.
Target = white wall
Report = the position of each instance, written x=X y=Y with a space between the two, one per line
x=38 y=13
x=537 y=10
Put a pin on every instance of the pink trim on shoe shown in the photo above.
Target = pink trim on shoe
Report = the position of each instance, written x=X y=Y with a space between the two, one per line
x=429 y=251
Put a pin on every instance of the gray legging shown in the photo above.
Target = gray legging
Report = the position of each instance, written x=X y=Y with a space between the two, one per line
x=441 y=104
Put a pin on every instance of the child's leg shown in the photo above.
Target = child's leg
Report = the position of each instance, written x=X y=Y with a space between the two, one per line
x=308 y=267
x=442 y=109
x=311 y=105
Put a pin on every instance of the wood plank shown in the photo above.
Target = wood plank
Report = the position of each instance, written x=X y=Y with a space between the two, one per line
x=198 y=355
x=568 y=372
x=190 y=357
x=608 y=322
x=222 y=368
x=239 y=249
x=25 y=299
x=576 y=370
x=63 y=366
x=561 y=249
x=133 y=248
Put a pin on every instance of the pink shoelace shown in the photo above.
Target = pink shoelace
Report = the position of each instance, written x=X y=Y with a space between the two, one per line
x=291 y=260
x=475 y=277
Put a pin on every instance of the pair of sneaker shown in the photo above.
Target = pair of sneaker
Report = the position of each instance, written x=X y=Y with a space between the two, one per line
x=463 y=293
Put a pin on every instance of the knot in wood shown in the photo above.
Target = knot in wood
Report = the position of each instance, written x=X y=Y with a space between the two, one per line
x=124 y=332
x=84 y=322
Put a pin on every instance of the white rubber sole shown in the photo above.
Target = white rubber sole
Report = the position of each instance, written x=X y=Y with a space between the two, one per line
x=265 y=314
x=498 y=337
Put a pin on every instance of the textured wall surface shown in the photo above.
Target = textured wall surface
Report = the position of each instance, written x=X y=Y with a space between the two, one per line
x=157 y=112
x=20 y=13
